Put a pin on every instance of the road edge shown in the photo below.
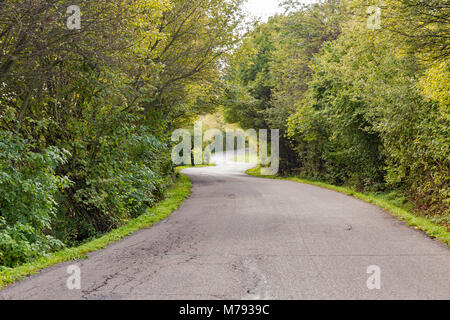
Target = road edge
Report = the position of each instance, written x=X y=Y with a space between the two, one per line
x=431 y=229
x=175 y=196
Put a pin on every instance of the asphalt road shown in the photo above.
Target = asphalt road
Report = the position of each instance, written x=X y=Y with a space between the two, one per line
x=241 y=237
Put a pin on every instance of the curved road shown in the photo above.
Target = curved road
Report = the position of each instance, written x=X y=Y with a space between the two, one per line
x=240 y=237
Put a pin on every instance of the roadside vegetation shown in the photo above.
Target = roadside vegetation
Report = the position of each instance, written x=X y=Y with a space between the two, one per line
x=86 y=116
x=173 y=198
x=365 y=108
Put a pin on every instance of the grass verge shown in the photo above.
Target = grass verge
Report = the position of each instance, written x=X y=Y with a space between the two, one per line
x=419 y=223
x=175 y=196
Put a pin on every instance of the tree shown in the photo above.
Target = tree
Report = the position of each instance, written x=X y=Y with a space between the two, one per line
x=423 y=25
x=106 y=96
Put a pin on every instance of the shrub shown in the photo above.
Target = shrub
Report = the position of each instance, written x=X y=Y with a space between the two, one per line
x=28 y=187
x=117 y=177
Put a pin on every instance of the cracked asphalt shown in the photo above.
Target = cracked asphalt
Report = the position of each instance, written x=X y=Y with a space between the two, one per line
x=241 y=237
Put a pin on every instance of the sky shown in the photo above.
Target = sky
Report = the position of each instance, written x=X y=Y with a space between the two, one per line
x=265 y=8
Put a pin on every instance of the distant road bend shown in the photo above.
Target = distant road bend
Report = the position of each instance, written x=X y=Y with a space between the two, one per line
x=241 y=237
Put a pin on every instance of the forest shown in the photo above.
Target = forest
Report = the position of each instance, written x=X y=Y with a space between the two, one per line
x=86 y=116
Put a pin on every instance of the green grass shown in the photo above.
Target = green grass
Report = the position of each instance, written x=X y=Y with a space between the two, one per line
x=386 y=202
x=175 y=195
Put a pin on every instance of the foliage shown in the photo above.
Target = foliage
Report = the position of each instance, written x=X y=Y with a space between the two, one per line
x=110 y=94
x=359 y=107
x=28 y=190
x=121 y=175
x=423 y=25
x=173 y=198
x=269 y=72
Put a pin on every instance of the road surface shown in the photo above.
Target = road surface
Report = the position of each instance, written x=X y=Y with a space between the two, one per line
x=241 y=237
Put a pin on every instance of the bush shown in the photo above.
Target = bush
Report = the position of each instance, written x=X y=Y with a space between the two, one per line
x=118 y=176
x=28 y=188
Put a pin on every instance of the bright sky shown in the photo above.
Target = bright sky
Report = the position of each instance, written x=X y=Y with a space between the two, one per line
x=266 y=8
